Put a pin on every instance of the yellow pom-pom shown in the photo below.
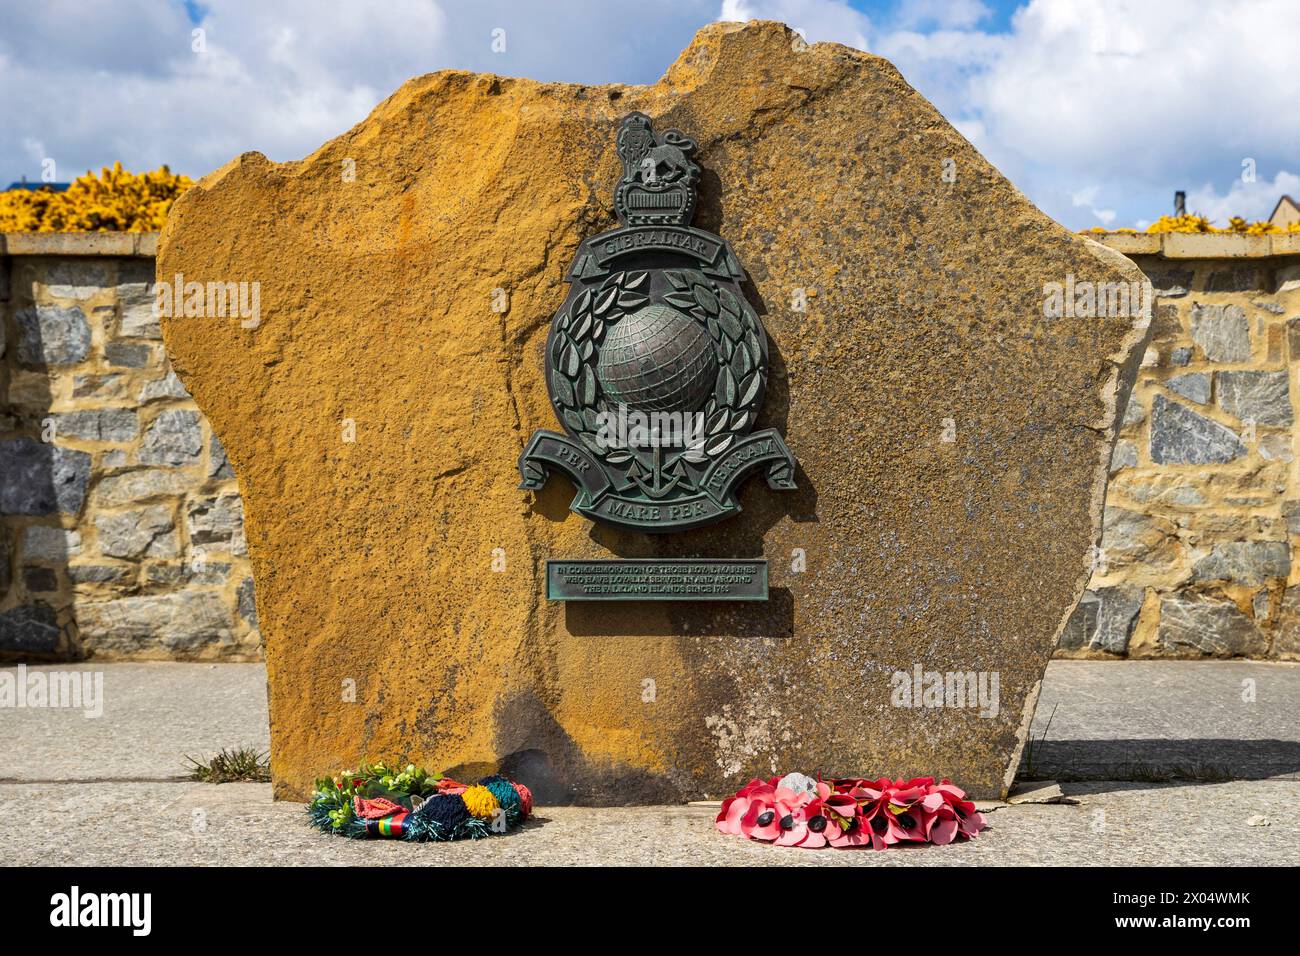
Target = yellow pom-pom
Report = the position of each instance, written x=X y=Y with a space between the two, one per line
x=480 y=802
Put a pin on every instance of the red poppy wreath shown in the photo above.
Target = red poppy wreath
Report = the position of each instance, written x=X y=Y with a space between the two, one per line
x=796 y=810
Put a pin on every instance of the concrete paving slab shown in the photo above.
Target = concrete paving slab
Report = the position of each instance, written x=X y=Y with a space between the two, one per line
x=152 y=716
x=1109 y=720
x=238 y=824
x=109 y=790
x=1151 y=720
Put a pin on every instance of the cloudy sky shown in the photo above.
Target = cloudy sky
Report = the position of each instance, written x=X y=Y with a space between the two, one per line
x=1097 y=109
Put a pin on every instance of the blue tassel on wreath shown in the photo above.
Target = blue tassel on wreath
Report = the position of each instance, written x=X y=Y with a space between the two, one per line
x=415 y=806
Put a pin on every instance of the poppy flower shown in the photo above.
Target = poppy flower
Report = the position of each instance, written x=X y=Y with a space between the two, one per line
x=796 y=811
x=969 y=820
x=741 y=814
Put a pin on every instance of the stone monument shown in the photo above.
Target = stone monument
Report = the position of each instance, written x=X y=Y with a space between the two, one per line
x=951 y=438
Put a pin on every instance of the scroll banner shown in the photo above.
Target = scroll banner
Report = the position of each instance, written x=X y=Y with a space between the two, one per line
x=598 y=498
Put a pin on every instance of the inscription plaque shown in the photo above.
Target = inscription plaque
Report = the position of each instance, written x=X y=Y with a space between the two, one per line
x=657 y=579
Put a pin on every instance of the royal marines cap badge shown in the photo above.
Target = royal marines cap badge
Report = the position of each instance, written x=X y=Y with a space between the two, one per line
x=655 y=364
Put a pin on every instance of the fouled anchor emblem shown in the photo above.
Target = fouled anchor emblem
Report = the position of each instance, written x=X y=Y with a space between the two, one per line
x=656 y=364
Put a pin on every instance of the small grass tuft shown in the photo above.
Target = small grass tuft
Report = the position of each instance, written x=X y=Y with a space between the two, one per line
x=239 y=765
x=1030 y=762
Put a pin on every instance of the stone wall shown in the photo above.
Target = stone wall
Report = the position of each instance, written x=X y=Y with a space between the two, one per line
x=1203 y=505
x=121 y=528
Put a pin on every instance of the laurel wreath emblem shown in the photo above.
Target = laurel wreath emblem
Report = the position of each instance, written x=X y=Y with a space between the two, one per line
x=731 y=324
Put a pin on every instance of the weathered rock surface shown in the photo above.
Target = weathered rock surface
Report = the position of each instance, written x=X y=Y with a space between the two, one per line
x=41 y=479
x=1222 y=332
x=1103 y=620
x=1179 y=436
x=1207 y=624
x=1261 y=397
x=182 y=622
x=389 y=633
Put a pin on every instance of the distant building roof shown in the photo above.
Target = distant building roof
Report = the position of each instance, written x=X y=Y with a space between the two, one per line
x=1285 y=212
x=24 y=184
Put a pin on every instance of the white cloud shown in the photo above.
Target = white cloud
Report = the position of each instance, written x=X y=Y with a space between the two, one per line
x=816 y=20
x=1250 y=200
x=1130 y=99
x=283 y=77
x=946 y=14
x=1087 y=199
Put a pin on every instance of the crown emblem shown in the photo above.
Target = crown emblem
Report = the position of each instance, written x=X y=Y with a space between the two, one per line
x=656 y=364
x=659 y=177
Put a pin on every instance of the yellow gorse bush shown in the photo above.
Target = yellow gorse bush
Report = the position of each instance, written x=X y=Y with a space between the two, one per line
x=1191 y=222
x=114 y=201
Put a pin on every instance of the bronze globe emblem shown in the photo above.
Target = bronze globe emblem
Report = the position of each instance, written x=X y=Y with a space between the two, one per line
x=658 y=360
x=656 y=364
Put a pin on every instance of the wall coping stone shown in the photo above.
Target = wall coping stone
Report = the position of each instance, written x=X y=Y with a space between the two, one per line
x=1199 y=245
x=1167 y=245
x=134 y=244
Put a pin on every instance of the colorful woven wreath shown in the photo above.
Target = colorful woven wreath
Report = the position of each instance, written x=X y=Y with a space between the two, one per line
x=796 y=810
x=377 y=801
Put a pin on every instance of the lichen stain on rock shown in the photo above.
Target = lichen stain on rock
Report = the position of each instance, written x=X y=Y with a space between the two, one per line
x=373 y=558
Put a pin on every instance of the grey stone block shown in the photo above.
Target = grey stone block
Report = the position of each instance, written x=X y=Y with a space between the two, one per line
x=1207 y=624
x=38 y=580
x=1291 y=512
x=1236 y=279
x=41 y=479
x=173 y=438
x=52 y=335
x=1179 y=436
x=1193 y=385
x=104 y=424
x=30 y=628
x=174 y=573
x=128 y=355
x=135 y=297
x=1222 y=332
x=97 y=386
x=141 y=485
x=6 y=559
x=1180 y=356
x=43 y=543
x=1103 y=620
x=1245 y=562
x=117 y=574
x=218 y=464
x=149 y=532
x=1131 y=537
x=169 y=386
x=1125 y=455
x=1275 y=446
x=1134 y=413
x=75 y=278
x=1170 y=283
x=1261 y=397
x=218 y=520
x=247 y=602
x=180 y=621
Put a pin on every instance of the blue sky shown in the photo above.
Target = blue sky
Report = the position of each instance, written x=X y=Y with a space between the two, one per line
x=1096 y=109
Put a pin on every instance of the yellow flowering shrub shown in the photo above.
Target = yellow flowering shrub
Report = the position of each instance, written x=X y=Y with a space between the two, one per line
x=114 y=201
x=1194 y=223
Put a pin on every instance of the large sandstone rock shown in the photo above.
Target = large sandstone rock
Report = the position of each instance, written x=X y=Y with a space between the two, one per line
x=953 y=441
